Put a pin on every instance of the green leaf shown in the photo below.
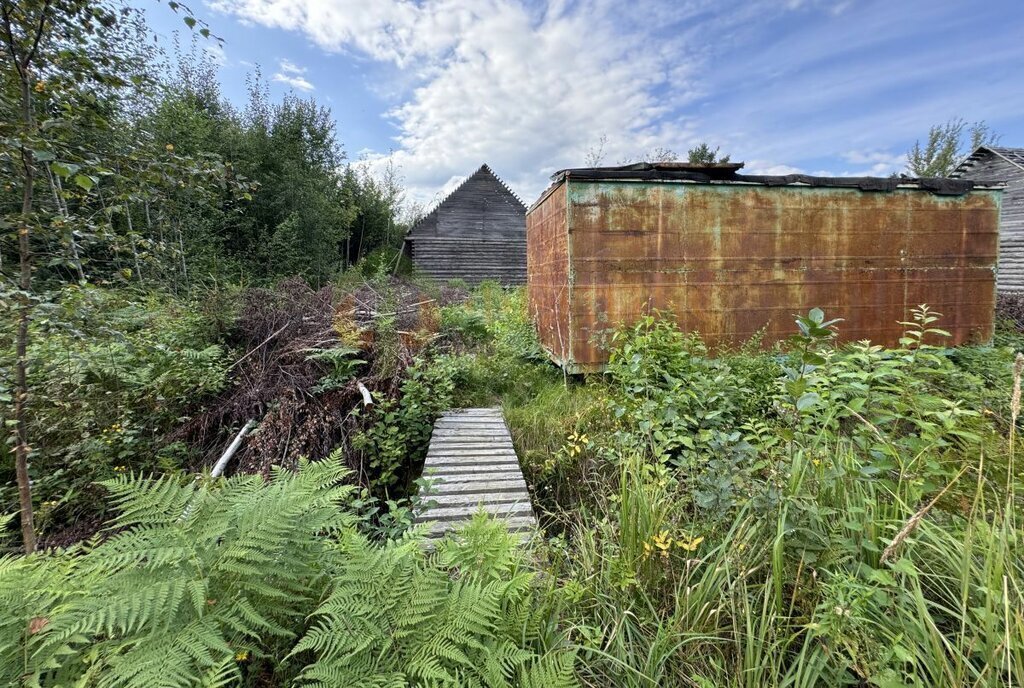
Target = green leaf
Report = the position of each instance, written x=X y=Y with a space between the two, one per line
x=905 y=566
x=814 y=359
x=190 y=22
x=84 y=181
x=881 y=576
x=797 y=387
x=63 y=169
x=806 y=401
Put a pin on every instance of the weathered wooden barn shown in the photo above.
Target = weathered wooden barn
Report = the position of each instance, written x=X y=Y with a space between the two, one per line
x=998 y=164
x=731 y=255
x=477 y=233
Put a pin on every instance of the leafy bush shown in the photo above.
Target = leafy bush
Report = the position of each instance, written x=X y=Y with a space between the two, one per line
x=830 y=539
x=111 y=373
x=396 y=439
x=212 y=583
x=465 y=325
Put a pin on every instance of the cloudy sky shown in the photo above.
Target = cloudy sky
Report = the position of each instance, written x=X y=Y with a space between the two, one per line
x=840 y=87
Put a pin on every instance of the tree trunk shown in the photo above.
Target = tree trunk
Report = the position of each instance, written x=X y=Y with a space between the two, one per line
x=62 y=208
x=22 y=448
x=181 y=250
x=131 y=235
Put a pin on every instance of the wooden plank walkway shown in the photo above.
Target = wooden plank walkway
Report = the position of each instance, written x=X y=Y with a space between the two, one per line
x=470 y=465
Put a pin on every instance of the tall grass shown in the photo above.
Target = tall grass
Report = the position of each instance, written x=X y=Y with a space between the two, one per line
x=865 y=536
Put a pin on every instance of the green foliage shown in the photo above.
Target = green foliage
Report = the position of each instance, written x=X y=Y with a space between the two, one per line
x=830 y=539
x=471 y=614
x=467 y=326
x=343 y=366
x=200 y=576
x=113 y=373
x=945 y=147
x=703 y=154
x=397 y=436
x=675 y=403
x=216 y=582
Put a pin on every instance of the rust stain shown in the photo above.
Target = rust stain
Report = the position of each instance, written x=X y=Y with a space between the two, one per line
x=729 y=260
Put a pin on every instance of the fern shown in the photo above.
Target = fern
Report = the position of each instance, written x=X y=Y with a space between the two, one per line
x=460 y=617
x=172 y=600
x=201 y=577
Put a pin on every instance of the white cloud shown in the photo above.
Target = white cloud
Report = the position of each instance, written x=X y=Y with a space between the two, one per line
x=767 y=167
x=530 y=87
x=215 y=51
x=872 y=163
x=525 y=90
x=292 y=74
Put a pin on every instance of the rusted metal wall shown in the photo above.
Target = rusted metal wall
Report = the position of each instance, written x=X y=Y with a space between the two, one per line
x=730 y=260
x=547 y=273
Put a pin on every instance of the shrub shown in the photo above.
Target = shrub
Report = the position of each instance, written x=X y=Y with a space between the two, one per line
x=212 y=583
x=395 y=442
x=111 y=374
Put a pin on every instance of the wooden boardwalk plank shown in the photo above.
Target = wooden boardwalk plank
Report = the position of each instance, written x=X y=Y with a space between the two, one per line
x=471 y=465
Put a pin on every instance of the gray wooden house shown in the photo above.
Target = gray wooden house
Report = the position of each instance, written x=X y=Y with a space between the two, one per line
x=998 y=164
x=477 y=233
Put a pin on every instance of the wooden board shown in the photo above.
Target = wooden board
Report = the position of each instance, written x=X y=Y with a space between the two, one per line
x=471 y=465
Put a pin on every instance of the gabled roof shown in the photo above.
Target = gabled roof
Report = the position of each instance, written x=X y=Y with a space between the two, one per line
x=1014 y=156
x=485 y=172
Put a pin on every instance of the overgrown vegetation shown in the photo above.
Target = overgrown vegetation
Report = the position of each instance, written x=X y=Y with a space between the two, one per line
x=809 y=514
x=803 y=514
x=220 y=582
x=131 y=194
x=812 y=514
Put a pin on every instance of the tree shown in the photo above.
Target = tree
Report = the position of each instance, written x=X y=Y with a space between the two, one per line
x=945 y=149
x=24 y=25
x=67 y=65
x=702 y=154
x=595 y=154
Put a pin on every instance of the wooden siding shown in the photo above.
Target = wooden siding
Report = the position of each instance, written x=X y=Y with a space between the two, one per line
x=990 y=167
x=477 y=233
x=729 y=261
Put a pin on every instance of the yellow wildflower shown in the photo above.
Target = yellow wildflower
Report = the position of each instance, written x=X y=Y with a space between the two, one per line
x=663 y=542
x=690 y=545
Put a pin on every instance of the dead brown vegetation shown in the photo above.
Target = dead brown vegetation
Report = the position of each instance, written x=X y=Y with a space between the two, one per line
x=274 y=378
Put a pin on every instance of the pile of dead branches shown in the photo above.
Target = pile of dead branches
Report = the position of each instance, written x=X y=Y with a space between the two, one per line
x=1010 y=308
x=274 y=380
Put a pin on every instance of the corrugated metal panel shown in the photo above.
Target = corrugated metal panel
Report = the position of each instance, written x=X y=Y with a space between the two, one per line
x=729 y=260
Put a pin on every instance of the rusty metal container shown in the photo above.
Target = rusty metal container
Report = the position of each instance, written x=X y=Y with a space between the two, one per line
x=732 y=255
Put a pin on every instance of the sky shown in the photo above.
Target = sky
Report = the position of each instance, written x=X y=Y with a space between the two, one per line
x=439 y=87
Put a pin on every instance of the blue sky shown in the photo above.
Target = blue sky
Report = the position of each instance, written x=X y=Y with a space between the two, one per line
x=441 y=86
